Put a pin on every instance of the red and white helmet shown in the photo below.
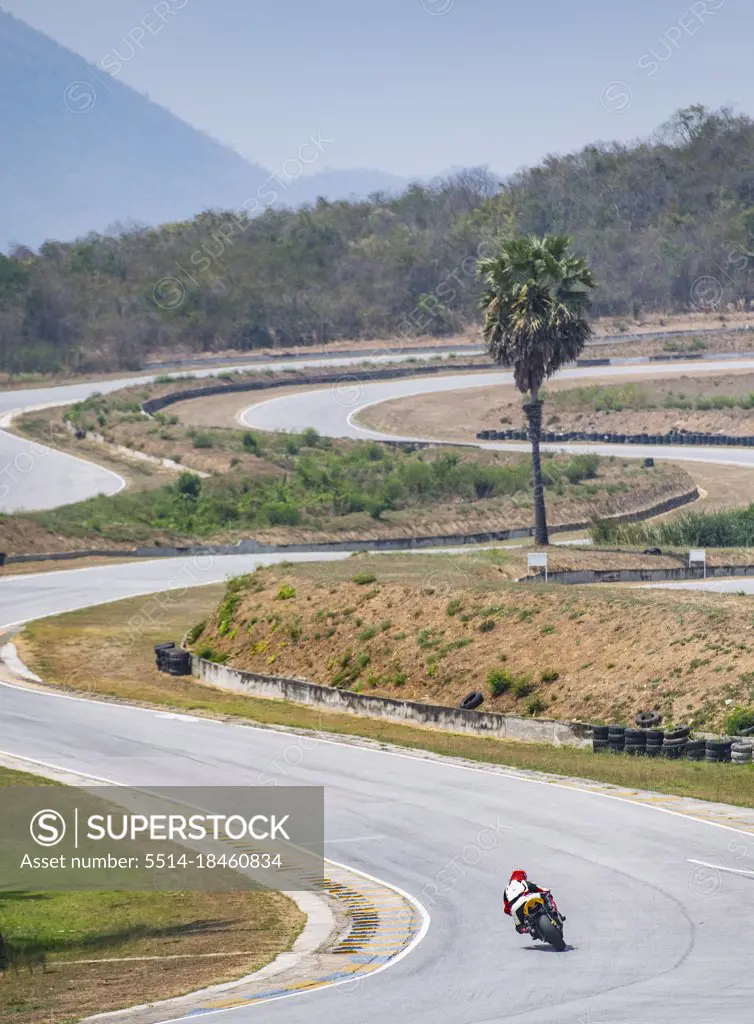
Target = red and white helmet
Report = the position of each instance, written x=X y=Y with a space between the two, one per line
x=518 y=876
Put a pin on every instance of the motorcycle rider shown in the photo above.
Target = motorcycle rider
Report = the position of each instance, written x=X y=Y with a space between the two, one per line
x=518 y=890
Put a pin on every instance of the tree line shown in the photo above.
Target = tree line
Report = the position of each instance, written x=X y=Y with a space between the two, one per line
x=667 y=223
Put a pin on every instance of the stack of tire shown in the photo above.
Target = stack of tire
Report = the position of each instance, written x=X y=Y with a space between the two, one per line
x=696 y=750
x=599 y=738
x=740 y=751
x=635 y=742
x=616 y=739
x=717 y=751
x=172 y=660
x=674 y=743
x=655 y=739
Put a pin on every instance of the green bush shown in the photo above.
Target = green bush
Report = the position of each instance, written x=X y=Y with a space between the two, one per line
x=285 y=593
x=486 y=626
x=455 y=604
x=189 y=485
x=250 y=442
x=196 y=631
x=536 y=706
x=499 y=681
x=522 y=687
x=739 y=719
x=202 y=441
x=362 y=579
x=210 y=654
x=549 y=675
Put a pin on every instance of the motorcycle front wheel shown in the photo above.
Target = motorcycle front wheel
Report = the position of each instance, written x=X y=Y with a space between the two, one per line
x=551 y=933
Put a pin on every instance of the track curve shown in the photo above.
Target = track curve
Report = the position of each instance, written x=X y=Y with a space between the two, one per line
x=651 y=941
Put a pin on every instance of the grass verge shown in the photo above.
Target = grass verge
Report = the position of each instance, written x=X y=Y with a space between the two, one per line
x=57 y=647
x=47 y=935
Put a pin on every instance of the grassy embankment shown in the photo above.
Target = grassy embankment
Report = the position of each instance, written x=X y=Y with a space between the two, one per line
x=669 y=650
x=64 y=953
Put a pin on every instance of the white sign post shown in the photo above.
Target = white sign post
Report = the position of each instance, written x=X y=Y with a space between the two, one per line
x=698 y=556
x=538 y=560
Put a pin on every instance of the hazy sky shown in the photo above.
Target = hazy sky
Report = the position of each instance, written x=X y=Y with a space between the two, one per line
x=416 y=86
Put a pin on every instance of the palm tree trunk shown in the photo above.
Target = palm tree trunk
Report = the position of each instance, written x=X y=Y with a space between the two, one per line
x=533 y=410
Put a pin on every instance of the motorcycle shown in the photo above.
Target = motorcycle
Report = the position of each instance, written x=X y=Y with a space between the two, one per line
x=544 y=921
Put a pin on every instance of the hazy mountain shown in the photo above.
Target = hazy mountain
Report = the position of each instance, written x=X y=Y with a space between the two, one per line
x=81 y=151
x=334 y=184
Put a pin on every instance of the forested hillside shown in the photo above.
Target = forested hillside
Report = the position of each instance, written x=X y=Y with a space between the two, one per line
x=654 y=218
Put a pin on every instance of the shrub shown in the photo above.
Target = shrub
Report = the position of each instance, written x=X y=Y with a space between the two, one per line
x=210 y=654
x=487 y=626
x=368 y=634
x=196 y=631
x=499 y=681
x=364 y=578
x=738 y=720
x=455 y=604
x=310 y=438
x=189 y=485
x=522 y=687
x=536 y=706
x=549 y=675
x=285 y=593
x=201 y=440
x=250 y=442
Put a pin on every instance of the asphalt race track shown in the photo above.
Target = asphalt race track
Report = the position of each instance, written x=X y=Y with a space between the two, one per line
x=34 y=477
x=653 y=942
x=650 y=944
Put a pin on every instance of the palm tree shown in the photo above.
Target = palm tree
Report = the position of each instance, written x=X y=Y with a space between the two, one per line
x=535 y=304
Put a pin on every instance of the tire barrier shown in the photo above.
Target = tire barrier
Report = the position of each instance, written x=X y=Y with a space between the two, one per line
x=472 y=701
x=718 y=751
x=741 y=752
x=635 y=742
x=675 y=437
x=674 y=743
x=599 y=738
x=655 y=742
x=160 y=654
x=173 y=660
x=616 y=739
x=695 y=750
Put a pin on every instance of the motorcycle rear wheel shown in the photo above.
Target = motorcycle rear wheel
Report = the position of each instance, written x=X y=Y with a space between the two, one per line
x=551 y=933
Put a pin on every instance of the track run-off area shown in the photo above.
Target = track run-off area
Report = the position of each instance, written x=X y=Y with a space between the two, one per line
x=655 y=936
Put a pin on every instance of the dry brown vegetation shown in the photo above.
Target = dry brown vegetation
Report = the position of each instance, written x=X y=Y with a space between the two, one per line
x=123 y=669
x=433 y=629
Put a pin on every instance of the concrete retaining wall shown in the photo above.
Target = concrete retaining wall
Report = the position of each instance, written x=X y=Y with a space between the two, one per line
x=343 y=374
x=479 y=723
x=681 y=572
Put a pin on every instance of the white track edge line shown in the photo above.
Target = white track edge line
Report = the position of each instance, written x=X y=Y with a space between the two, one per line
x=415 y=903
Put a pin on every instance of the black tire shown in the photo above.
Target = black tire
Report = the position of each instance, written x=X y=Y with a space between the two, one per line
x=550 y=933
x=721 y=746
x=164 y=647
x=681 y=733
x=472 y=700
x=636 y=737
x=646 y=719
x=599 y=732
